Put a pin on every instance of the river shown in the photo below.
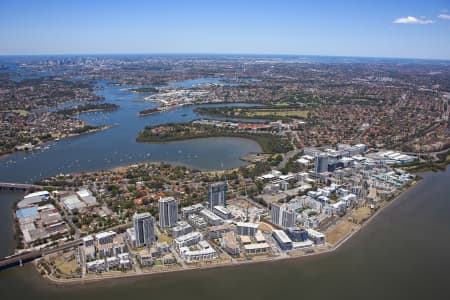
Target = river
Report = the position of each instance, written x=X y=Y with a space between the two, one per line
x=116 y=146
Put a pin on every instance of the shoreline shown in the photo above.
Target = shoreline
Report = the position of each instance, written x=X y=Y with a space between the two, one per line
x=259 y=139
x=325 y=249
x=71 y=135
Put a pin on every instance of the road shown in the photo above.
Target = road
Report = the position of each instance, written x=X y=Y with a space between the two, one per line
x=287 y=157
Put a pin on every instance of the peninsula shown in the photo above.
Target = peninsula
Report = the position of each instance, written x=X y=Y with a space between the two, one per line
x=270 y=143
x=194 y=219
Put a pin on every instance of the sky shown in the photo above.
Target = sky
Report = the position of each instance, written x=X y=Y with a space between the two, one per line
x=378 y=28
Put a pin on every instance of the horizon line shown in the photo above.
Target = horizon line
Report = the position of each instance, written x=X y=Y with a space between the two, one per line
x=223 y=54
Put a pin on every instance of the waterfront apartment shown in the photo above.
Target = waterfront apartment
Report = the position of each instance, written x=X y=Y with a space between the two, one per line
x=143 y=225
x=217 y=194
x=282 y=239
x=190 y=210
x=254 y=249
x=222 y=212
x=229 y=243
x=317 y=237
x=282 y=215
x=216 y=232
x=187 y=240
x=211 y=217
x=197 y=221
x=182 y=228
x=247 y=228
x=168 y=212
x=203 y=252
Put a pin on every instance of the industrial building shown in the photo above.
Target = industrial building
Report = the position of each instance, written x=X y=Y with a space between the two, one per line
x=33 y=198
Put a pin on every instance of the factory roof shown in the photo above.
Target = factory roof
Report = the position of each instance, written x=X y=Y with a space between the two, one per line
x=40 y=193
x=29 y=212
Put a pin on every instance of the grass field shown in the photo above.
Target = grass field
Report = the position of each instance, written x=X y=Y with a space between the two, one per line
x=66 y=267
x=361 y=214
x=165 y=238
x=21 y=112
x=338 y=231
x=282 y=113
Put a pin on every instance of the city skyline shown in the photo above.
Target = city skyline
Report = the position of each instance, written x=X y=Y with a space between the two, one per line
x=405 y=29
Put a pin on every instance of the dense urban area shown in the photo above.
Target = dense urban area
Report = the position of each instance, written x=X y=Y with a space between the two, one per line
x=339 y=142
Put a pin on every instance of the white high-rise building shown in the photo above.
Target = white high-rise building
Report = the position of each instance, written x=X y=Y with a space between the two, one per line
x=144 y=229
x=282 y=215
x=168 y=212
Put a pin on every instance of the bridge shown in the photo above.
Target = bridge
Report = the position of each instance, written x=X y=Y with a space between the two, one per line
x=20 y=259
x=8 y=186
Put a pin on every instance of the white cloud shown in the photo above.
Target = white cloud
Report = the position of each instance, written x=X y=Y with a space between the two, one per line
x=412 y=20
x=444 y=16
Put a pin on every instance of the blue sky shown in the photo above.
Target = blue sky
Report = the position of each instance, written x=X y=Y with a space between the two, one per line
x=383 y=28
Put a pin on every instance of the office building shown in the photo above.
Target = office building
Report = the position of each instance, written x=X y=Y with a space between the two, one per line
x=144 y=229
x=217 y=194
x=168 y=212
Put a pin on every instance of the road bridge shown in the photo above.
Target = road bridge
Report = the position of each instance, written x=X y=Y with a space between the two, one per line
x=20 y=259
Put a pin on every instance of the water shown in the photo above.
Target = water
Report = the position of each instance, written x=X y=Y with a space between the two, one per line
x=117 y=146
x=403 y=254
